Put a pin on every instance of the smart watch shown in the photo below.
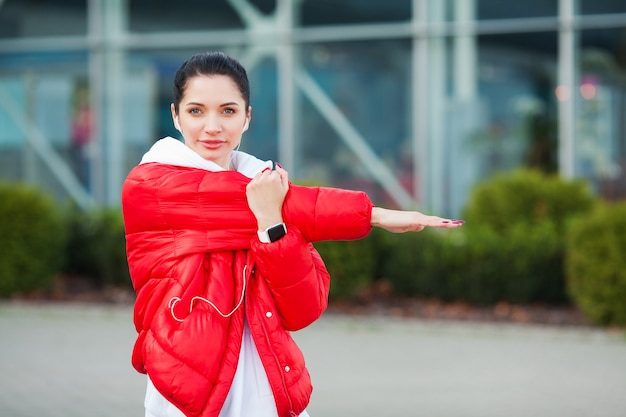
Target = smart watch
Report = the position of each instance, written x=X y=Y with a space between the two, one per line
x=272 y=233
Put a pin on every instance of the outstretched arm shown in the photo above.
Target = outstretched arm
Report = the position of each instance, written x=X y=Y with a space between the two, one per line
x=399 y=221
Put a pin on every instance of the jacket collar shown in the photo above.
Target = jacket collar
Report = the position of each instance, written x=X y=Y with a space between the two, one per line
x=172 y=151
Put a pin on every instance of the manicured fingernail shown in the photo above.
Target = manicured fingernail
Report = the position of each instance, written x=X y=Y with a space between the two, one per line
x=445 y=221
x=279 y=165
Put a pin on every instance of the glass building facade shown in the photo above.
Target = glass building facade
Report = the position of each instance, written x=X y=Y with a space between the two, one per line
x=413 y=101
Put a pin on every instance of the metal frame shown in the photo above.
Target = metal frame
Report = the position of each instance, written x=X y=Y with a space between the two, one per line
x=567 y=81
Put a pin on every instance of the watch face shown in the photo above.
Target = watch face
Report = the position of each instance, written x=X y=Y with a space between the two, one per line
x=276 y=232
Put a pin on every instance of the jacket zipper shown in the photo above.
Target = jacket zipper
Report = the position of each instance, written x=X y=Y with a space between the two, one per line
x=281 y=370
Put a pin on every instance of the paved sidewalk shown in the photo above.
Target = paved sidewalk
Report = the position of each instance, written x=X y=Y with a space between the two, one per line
x=74 y=361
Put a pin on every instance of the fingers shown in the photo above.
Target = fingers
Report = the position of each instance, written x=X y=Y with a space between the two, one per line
x=268 y=175
x=270 y=181
x=445 y=223
x=266 y=193
x=419 y=221
x=284 y=175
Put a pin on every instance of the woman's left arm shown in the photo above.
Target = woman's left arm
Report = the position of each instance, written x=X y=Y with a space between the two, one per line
x=296 y=276
x=292 y=268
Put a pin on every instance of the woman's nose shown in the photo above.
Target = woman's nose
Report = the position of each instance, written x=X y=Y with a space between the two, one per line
x=212 y=124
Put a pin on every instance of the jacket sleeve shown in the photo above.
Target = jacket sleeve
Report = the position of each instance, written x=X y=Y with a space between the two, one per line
x=163 y=198
x=296 y=276
x=326 y=213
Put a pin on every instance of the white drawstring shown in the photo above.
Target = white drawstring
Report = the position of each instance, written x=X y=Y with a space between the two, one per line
x=175 y=300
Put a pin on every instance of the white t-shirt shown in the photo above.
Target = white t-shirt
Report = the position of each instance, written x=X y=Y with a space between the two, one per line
x=249 y=395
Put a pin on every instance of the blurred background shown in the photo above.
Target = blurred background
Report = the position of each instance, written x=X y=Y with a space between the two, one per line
x=508 y=114
x=413 y=101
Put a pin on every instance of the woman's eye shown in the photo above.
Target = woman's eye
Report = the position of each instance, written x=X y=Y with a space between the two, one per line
x=229 y=111
x=194 y=111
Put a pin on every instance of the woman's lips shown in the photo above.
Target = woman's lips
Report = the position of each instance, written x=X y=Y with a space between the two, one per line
x=212 y=144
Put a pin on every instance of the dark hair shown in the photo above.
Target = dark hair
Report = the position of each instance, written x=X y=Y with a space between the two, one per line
x=211 y=63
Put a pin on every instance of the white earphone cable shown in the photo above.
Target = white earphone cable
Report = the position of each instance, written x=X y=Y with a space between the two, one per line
x=174 y=300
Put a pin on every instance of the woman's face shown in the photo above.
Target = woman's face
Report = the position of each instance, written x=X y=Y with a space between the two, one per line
x=212 y=117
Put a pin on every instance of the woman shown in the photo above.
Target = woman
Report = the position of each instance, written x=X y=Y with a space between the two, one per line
x=220 y=254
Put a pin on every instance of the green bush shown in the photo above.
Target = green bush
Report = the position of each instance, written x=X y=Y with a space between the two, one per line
x=476 y=256
x=596 y=264
x=351 y=264
x=528 y=213
x=478 y=265
x=415 y=265
x=33 y=236
x=525 y=266
x=527 y=196
x=96 y=246
x=532 y=264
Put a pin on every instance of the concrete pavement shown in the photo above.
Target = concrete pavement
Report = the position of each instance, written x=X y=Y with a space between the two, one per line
x=68 y=360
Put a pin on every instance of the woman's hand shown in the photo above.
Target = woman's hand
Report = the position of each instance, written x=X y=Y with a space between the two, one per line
x=398 y=221
x=266 y=194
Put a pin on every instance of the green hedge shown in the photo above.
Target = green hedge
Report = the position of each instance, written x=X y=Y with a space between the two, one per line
x=528 y=213
x=32 y=236
x=524 y=231
x=596 y=264
x=415 y=264
x=478 y=265
x=351 y=264
x=510 y=249
x=96 y=246
x=527 y=196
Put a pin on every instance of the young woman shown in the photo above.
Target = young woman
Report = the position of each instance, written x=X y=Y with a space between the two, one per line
x=220 y=252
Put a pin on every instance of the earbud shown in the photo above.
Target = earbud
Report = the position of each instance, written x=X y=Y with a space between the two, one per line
x=176 y=124
x=245 y=126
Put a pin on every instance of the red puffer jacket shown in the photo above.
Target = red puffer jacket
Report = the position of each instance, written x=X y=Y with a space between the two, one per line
x=191 y=234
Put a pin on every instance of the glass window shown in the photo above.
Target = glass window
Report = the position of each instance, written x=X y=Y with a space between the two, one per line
x=493 y=112
x=333 y=12
x=261 y=139
x=601 y=108
x=367 y=85
x=264 y=6
x=52 y=61
x=602 y=6
x=517 y=79
x=13 y=90
x=498 y=9
x=161 y=64
x=45 y=106
x=167 y=16
x=35 y=18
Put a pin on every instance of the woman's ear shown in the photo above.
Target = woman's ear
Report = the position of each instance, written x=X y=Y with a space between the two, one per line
x=248 y=117
x=175 y=117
